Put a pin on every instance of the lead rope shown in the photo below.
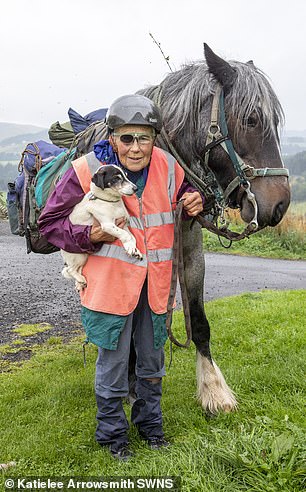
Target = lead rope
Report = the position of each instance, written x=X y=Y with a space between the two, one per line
x=84 y=351
x=178 y=272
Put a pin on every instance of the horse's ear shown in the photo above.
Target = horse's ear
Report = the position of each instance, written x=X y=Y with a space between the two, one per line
x=250 y=62
x=224 y=73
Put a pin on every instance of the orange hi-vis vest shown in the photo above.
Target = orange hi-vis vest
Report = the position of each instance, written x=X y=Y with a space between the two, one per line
x=114 y=279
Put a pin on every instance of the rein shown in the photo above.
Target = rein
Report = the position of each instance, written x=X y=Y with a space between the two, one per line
x=178 y=272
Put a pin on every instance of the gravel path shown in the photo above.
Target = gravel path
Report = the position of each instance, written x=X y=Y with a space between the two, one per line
x=33 y=290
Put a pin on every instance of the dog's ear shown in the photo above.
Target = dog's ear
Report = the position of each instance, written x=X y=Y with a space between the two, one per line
x=99 y=178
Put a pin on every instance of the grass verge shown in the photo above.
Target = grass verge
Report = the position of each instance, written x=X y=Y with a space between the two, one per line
x=286 y=241
x=25 y=330
x=47 y=407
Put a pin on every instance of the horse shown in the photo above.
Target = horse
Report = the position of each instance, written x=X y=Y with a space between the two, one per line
x=221 y=120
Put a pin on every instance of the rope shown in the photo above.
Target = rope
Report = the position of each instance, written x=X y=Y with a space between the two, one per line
x=178 y=271
x=202 y=179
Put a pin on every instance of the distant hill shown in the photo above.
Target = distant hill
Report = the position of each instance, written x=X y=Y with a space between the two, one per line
x=8 y=130
x=14 y=138
x=297 y=169
x=25 y=138
x=296 y=164
x=293 y=141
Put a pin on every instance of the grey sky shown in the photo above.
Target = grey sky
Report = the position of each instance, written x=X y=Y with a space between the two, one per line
x=85 y=53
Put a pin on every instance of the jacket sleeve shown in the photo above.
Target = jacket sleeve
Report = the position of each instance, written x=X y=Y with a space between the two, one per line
x=54 y=221
x=187 y=188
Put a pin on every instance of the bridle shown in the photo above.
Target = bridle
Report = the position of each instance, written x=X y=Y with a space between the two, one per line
x=218 y=135
x=204 y=179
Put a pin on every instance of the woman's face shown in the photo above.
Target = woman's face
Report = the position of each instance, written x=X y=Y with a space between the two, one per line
x=134 y=155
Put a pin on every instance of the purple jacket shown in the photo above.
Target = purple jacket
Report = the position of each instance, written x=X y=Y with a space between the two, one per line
x=54 y=221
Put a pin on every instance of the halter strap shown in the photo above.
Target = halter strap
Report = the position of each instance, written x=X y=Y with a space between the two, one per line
x=218 y=135
x=201 y=175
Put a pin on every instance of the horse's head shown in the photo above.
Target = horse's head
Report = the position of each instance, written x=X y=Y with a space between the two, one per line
x=253 y=114
x=250 y=120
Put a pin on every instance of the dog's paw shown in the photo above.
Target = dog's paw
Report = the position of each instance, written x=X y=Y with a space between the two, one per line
x=79 y=286
x=130 y=247
x=137 y=254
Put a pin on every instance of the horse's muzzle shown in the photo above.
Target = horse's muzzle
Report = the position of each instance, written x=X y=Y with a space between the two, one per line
x=278 y=213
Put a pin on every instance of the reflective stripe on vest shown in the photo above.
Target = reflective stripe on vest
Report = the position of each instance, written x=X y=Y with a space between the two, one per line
x=153 y=220
x=171 y=175
x=136 y=223
x=158 y=255
x=93 y=162
x=85 y=167
x=114 y=279
x=118 y=253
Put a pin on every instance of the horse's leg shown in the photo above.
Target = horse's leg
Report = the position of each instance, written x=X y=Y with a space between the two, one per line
x=213 y=392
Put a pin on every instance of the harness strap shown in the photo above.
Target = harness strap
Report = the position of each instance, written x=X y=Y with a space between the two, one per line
x=214 y=128
x=198 y=178
x=252 y=173
x=203 y=178
x=178 y=272
x=224 y=231
x=214 y=143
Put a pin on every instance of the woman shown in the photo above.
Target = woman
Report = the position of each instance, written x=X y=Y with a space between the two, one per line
x=125 y=298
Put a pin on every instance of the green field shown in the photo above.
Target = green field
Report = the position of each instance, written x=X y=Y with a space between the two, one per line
x=47 y=407
x=286 y=241
x=298 y=208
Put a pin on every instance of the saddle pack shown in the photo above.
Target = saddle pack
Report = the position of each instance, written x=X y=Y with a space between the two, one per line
x=41 y=166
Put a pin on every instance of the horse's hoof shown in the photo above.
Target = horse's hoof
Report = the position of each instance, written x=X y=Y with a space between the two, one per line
x=213 y=392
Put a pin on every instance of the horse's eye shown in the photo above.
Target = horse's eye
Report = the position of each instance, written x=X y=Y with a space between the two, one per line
x=252 y=121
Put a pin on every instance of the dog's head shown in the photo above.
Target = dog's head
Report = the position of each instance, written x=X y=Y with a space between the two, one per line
x=112 y=178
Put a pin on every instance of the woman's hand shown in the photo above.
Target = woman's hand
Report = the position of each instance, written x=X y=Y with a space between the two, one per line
x=97 y=235
x=193 y=203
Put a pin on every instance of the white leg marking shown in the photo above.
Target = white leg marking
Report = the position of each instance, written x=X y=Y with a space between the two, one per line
x=213 y=392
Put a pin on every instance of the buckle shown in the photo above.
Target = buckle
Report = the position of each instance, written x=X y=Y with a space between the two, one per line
x=249 y=171
x=214 y=129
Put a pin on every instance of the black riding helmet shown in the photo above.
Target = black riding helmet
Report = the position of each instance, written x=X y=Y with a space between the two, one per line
x=133 y=109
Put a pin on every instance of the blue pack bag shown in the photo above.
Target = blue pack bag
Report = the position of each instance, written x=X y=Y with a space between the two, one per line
x=42 y=164
x=80 y=123
x=36 y=154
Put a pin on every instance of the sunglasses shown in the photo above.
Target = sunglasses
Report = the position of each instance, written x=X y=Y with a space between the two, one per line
x=129 y=138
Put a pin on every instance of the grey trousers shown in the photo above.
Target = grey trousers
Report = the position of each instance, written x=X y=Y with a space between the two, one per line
x=111 y=382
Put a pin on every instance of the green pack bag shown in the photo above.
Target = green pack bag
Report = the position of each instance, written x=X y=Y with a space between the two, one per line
x=62 y=134
x=49 y=175
x=38 y=192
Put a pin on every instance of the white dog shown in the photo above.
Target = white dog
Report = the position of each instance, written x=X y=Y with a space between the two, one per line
x=104 y=203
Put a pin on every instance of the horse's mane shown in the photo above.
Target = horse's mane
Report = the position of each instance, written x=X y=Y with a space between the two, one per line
x=185 y=93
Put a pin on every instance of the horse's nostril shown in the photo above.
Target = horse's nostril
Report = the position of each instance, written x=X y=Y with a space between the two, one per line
x=278 y=213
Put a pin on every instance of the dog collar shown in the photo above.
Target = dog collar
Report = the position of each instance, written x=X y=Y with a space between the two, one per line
x=91 y=196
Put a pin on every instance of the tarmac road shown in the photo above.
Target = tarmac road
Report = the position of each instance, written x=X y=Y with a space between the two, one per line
x=33 y=290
